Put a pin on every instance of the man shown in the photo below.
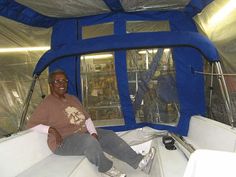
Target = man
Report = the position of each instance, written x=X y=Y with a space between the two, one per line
x=72 y=132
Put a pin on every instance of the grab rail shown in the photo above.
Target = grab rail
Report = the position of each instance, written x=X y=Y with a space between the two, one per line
x=26 y=103
x=190 y=149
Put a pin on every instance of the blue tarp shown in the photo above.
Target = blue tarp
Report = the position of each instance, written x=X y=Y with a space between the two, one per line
x=15 y=11
x=18 y=12
x=130 y=41
x=188 y=48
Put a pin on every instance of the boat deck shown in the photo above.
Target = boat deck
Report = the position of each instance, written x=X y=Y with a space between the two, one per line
x=29 y=154
x=33 y=158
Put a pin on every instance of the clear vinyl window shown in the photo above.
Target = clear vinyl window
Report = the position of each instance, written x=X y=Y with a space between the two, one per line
x=99 y=88
x=152 y=86
x=97 y=30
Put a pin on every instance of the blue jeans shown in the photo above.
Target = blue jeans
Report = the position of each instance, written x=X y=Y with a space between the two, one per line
x=93 y=150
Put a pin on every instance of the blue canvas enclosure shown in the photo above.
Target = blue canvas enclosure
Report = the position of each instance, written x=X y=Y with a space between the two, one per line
x=14 y=10
x=188 y=47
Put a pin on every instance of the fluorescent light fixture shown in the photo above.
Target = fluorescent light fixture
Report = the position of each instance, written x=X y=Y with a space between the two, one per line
x=222 y=13
x=152 y=51
x=24 y=49
x=147 y=51
x=166 y=50
x=97 y=56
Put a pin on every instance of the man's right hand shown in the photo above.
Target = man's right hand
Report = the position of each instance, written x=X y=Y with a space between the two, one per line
x=56 y=134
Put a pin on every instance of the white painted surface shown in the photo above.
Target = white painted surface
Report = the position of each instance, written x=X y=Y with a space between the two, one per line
x=19 y=152
x=205 y=133
x=211 y=163
x=172 y=162
x=27 y=154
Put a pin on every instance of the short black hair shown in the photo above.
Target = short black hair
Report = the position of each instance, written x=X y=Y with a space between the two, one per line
x=53 y=73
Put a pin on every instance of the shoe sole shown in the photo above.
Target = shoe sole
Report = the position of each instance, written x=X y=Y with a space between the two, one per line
x=148 y=168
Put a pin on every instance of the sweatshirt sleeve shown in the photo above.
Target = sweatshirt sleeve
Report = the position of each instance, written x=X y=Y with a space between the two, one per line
x=41 y=128
x=90 y=126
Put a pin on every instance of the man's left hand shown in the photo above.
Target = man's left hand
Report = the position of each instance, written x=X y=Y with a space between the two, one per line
x=94 y=135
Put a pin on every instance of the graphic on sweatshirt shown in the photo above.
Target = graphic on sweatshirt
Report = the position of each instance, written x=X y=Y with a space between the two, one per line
x=74 y=115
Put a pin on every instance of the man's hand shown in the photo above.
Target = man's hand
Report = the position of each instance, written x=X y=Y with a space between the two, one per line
x=94 y=135
x=56 y=134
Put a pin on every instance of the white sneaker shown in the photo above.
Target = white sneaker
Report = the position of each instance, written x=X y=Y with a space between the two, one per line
x=147 y=159
x=113 y=172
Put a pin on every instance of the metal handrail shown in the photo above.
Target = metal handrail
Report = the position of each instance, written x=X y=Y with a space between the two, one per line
x=188 y=147
x=26 y=103
x=225 y=93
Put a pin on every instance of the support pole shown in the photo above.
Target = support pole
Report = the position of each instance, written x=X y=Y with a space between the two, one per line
x=26 y=103
x=211 y=89
x=225 y=93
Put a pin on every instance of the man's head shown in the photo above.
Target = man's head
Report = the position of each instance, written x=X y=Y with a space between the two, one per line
x=58 y=83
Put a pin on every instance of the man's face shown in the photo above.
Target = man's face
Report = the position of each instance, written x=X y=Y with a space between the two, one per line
x=59 y=85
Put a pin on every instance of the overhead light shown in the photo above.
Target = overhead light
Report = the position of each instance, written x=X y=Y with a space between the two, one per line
x=45 y=48
x=166 y=50
x=24 y=49
x=222 y=13
x=147 y=51
x=97 y=56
